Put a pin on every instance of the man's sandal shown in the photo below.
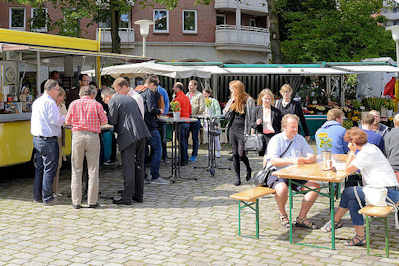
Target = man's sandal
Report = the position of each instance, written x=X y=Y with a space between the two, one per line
x=305 y=223
x=356 y=241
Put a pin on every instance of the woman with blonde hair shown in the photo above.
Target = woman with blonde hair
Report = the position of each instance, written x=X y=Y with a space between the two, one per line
x=61 y=140
x=267 y=118
x=241 y=117
x=289 y=106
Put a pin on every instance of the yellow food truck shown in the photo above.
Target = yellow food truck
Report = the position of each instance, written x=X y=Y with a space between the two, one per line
x=26 y=59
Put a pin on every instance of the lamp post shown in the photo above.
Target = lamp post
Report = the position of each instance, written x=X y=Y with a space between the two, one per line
x=395 y=36
x=144 y=30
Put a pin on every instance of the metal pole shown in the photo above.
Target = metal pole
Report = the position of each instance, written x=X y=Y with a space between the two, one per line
x=37 y=73
x=397 y=78
x=144 y=43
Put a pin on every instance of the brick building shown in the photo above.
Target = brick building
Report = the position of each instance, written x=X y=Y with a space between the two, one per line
x=226 y=30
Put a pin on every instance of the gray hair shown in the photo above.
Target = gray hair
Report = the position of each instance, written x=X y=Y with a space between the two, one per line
x=107 y=92
x=85 y=91
x=50 y=84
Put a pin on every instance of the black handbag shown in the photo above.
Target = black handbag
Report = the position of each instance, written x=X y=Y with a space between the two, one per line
x=253 y=142
x=261 y=177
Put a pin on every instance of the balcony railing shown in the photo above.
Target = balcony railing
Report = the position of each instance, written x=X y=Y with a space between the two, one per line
x=125 y=34
x=253 y=6
x=228 y=37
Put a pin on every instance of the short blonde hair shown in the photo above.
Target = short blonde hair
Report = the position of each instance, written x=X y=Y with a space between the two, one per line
x=263 y=93
x=334 y=113
x=284 y=121
x=286 y=87
x=396 y=120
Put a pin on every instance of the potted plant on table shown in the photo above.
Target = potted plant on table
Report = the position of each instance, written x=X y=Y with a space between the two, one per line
x=175 y=107
x=325 y=146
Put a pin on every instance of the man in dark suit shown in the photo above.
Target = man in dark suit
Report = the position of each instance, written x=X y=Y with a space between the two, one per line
x=124 y=114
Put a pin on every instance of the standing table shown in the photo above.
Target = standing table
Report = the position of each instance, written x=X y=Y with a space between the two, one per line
x=176 y=154
x=312 y=172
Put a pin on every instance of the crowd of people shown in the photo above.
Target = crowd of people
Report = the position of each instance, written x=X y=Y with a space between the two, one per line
x=372 y=148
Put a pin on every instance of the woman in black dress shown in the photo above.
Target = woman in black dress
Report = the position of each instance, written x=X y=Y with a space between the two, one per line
x=268 y=118
x=241 y=117
x=289 y=106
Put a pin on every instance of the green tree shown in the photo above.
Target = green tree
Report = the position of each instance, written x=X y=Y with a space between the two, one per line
x=316 y=31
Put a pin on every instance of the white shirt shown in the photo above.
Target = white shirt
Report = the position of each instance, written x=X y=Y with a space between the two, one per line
x=374 y=167
x=267 y=121
x=46 y=120
x=139 y=99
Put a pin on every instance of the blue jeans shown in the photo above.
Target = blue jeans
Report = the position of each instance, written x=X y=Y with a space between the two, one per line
x=183 y=141
x=349 y=201
x=46 y=164
x=195 y=129
x=156 y=153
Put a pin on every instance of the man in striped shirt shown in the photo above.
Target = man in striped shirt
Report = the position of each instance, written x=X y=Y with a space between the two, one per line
x=86 y=116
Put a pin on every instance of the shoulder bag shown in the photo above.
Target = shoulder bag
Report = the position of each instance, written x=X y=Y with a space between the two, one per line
x=260 y=178
x=253 y=142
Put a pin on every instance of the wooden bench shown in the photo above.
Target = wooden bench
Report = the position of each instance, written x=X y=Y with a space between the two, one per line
x=380 y=212
x=250 y=197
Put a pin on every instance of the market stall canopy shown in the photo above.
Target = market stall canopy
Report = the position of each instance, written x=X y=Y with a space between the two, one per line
x=285 y=71
x=136 y=70
x=368 y=68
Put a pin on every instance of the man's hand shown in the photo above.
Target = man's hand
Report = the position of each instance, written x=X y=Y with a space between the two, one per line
x=259 y=121
x=300 y=160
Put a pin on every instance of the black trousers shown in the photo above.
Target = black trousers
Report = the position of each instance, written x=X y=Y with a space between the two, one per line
x=133 y=171
x=266 y=138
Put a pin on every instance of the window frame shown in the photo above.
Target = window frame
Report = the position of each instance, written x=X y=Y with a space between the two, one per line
x=196 y=21
x=10 y=18
x=167 y=20
x=224 y=19
x=40 y=29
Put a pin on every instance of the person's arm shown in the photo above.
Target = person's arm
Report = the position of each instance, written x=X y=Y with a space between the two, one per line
x=167 y=102
x=161 y=104
x=386 y=145
x=216 y=106
x=350 y=168
x=299 y=113
x=201 y=102
x=101 y=115
x=68 y=117
x=113 y=113
x=53 y=114
x=381 y=145
x=227 y=107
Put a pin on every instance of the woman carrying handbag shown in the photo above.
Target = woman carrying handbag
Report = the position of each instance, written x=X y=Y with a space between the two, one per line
x=267 y=117
x=241 y=117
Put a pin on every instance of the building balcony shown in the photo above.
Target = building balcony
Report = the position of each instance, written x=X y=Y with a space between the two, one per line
x=125 y=34
x=253 y=7
x=245 y=38
x=390 y=15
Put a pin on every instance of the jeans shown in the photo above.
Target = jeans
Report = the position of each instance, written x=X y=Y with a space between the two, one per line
x=183 y=141
x=349 y=201
x=46 y=164
x=195 y=129
x=156 y=150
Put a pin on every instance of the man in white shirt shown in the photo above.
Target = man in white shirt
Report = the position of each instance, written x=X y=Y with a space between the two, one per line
x=124 y=89
x=46 y=122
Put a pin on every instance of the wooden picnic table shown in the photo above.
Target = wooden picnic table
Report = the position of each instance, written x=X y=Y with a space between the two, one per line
x=312 y=172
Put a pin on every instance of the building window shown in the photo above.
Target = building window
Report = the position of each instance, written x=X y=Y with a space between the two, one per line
x=124 y=23
x=161 y=20
x=220 y=19
x=189 y=21
x=17 y=18
x=38 y=19
x=252 y=22
x=105 y=21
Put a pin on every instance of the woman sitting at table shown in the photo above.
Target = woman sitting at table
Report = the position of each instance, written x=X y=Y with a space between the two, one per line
x=376 y=172
x=268 y=118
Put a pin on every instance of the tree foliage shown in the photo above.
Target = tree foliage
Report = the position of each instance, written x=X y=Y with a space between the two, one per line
x=322 y=30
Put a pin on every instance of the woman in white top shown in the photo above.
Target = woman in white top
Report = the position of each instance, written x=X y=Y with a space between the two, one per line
x=61 y=140
x=376 y=172
x=268 y=118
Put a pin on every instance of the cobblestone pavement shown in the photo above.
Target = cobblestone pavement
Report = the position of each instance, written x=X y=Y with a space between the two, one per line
x=191 y=222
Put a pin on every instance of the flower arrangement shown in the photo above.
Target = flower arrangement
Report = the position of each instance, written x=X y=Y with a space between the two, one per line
x=325 y=141
x=175 y=106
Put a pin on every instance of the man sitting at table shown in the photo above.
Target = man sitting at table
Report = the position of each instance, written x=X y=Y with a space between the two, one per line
x=299 y=152
x=335 y=131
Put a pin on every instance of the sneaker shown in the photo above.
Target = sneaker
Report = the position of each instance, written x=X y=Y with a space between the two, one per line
x=50 y=202
x=147 y=181
x=160 y=181
x=217 y=154
x=193 y=158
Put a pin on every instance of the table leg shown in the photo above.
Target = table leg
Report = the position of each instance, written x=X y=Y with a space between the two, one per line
x=291 y=204
x=332 y=213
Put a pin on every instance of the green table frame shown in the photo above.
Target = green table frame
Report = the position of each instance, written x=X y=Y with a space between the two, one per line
x=330 y=195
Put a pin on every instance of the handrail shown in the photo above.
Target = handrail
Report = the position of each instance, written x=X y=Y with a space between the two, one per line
x=120 y=29
x=242 y=28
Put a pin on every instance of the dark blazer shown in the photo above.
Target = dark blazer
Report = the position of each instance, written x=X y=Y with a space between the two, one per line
x=295 y=108
x=275 y=116
x=125 y=115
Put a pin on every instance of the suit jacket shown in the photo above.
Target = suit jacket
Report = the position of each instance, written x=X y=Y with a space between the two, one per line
x=125 y=115
x=275 y=117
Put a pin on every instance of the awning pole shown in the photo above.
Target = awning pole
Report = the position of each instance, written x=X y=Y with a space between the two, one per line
x=38 y=73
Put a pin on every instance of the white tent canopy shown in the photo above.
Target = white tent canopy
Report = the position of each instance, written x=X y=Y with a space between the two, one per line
x=139 y=69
